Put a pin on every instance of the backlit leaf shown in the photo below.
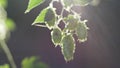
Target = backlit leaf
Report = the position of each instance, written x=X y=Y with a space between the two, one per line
x=32 y=4
x=67 y=2
x=82 y=2
x=82 y=32
x=56 y=35
x=50 y=18
x=40 y=18
x=68 y=47
x=76 y=2
x=71 y=22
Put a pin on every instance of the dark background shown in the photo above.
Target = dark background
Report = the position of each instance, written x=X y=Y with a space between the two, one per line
x=102 y=50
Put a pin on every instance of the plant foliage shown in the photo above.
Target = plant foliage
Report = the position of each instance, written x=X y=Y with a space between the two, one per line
x=51 y=16
x=6 y=24
x=32 y=62
x=5 y=66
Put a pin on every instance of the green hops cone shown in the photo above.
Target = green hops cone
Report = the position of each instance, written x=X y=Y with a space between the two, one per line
x=50 y=18
x=56 y=36
x=68 y=47
x=81 y=32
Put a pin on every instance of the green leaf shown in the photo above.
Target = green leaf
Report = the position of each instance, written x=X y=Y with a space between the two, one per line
x=33 y=62
x=32 y=4
x=82 y=2
x=10 y=24
x=46 y=16
x=71 y=22
x=28 y=62
x=68 y=47
x=56 y=35
x=5 y=66
x=76 y=2
x=3 y=3
x=82 y=31
x=40 y=65
x=67 y=3
x=40 y=18
x=50 y=18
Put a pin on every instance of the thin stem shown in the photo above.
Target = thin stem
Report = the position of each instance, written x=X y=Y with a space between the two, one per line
x=8 y=53
x=40 y=25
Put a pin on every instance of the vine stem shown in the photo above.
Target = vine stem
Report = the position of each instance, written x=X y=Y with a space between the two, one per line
x=8 y=53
